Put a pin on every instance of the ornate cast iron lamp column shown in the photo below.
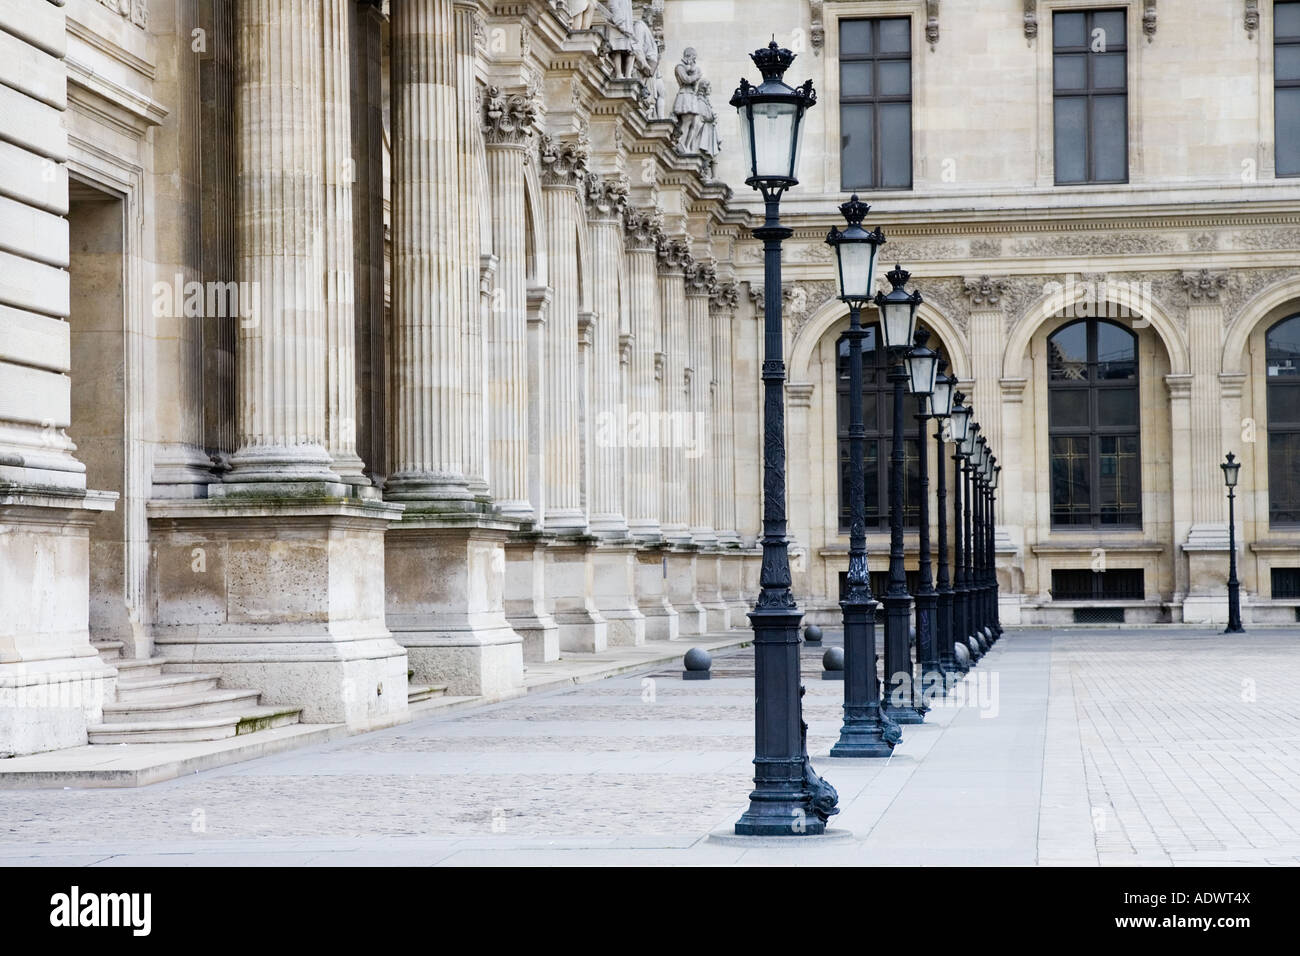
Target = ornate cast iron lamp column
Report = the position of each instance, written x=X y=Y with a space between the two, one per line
x=960 y=426
x=898 y=320
x=789 y=798
x=922 y=369
x=941 y=408
x=866 y=731
x=1231 y=467
x=981 y=577
x=994 y=611
x=968 y=543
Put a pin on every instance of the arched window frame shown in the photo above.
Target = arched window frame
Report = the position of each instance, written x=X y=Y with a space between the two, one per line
x=1282 y=387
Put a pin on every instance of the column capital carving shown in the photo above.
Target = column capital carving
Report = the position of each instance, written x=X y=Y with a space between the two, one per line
x=625 y=343
x=563 y=163
x=984 y=291
x=605 y=196
x=1231 y=384
x=674 y=254
x=509 y=118
x=586 y=329
x=725 y=296
x=1013 y=389
x=800 y=394
x=643 y=228
x=1179 y=386
x=701 y=277
x=1205 y=285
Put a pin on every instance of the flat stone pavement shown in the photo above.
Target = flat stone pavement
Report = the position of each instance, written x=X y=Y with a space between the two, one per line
x=1143 y=746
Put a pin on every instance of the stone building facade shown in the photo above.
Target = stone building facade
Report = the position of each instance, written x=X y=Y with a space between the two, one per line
x=351 y=346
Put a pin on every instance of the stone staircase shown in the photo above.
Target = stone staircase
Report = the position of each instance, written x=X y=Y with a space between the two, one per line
x=156 y=706
x=416 y=693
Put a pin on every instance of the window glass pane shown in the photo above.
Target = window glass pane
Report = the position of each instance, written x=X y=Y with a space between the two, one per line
x=1070 y=495
x=1284 y=402
x=855 y=36
x=1284 y=478
x=896 y=144
x=1067 y=408
x=1282 y=347
x=1067 y=353
x=895 y=77
x=1286 y=111
x=1118 y=479
x=1286 y=19
x=1109 y=138
x=869 y=409
x=1071 y=116
x=855 y=79
x=895 y=35
x=1108 y=72
x=856 y=129
x=1117 y=406
x=1068 y=29
x=872 y=471
x=1116 y=352
x=1286 y=62
x=1110 y=23
x=1070 y=71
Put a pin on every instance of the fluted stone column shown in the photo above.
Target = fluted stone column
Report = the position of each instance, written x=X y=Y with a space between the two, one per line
x=508 y=120
x=722 y=311
x=645 y=481
x=674 y=408
x=701 y=448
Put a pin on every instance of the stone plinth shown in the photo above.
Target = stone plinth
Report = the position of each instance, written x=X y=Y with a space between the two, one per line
x=52 y=682
x=661 y=618
x=614 y=580
x=570 y=586
x=445 y=581
x=708 y=573
x=285 y=595
x=525 y=595
x=681 y=584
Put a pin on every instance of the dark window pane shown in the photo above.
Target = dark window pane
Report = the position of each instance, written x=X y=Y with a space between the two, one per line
x=1068 y=29
x=1107 y=30
x=855 y=36
x=895 y=77
x=896 y=144
x=1117 y=406
x=1070 y=494
x=895 y=35
x=856 y=129
x=1286 y=63
x=1286 y=19
x=1284 y=478
x=1067 y=352
x=1116 y=352
x=872 y=472
x=855 y=79
x=1071 y=159
x=1108 y=72
x=1286 y=110
x=1109 y=138
x=1282 y=348
x=1070 y=71
x=1068 y=408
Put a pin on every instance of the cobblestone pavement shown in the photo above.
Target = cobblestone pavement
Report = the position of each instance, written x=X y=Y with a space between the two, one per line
x=1112 y=747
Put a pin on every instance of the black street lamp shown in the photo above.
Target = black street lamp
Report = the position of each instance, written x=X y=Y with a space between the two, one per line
x=995 y=611
x=866 y=731
x=923 y=368
x=898 y=322
x=941 y=406
x=981 y=542
x=959 y=428
x=789 y=798
x=967 y=596
x=1231 y=468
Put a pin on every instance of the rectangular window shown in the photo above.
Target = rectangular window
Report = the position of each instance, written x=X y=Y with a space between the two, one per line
x=1119 y=584
x=1090 y=96
x=1286 y=88
x=876 y=103
x=1286 y=583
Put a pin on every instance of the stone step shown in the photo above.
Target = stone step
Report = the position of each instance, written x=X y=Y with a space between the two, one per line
x=248 y=720
x=417 y=692
x=212 y=703
x=164 y=686
x=109 y=651
x=133 y=669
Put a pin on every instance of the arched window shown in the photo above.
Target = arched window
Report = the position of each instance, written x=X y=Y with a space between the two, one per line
x=878 y=416
x=1093 y=429
x=1282 y=357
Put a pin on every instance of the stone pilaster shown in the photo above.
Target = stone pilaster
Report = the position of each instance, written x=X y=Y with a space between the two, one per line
x=606 y=197
x=722 y=309
x=508 y=120
x=643 y=409
x=700 y=450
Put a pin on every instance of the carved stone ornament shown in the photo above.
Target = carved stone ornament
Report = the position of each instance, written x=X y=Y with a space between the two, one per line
x=606 y=196
x=1252 y=17
x=985 y=290
x=1031 y=19
x=817 y=33
x=725 y=296
x=1205 y=284
x=643 y=229
x=562 y=163
x=674 y=253
x=1149 y=19
x=701 y=277
x=137 y=11
x=932 y=22
x=508 y=118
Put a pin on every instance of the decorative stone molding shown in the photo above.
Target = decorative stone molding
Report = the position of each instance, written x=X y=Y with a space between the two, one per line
x=802 y=299
x=1252 y=17
x=985 y=290
x=1179 y=386
x=562 y=163
x=1013 y=389
x=660 y=360
x=509 y=118
x=817 y=31
x=539 y=304
x=800 y=394
x=606 y=196
x=1031 y=19
x=625 y=342
x=586 y=329
x=725 y=296
x=1205 y=284
x=932 y=22
x=674 y=254
x=701 y=277
x=137 y=11
x=1149 y=19
x=642 y=229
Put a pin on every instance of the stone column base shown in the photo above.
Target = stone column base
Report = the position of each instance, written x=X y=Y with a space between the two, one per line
x=445 y=581
x=708 y=573
x=53 y=684
x=283 y=595
x=614 y=577
x=732 y=575
x=693 y=619
x=661 y=618
x=527 y=608
x=1206 y=551
x=570 y=586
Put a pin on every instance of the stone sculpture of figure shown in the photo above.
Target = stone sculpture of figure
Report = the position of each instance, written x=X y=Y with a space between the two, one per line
x=686 y=107
x=658 y=94
x=621 y=37
x=581 y=13
x=647 y=50
x=709 y=141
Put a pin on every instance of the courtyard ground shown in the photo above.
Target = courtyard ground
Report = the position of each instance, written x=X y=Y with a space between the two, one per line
x=1145 y=746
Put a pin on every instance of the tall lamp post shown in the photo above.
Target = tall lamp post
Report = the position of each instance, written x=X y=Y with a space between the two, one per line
x=923 y=368
x=898 y=321
x=981 y=539
x=941 y=400
x=866 y=731
x=789 y=798
x=959 y=428
x=968 y=455
x=993 y=551
x=1231 y=467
